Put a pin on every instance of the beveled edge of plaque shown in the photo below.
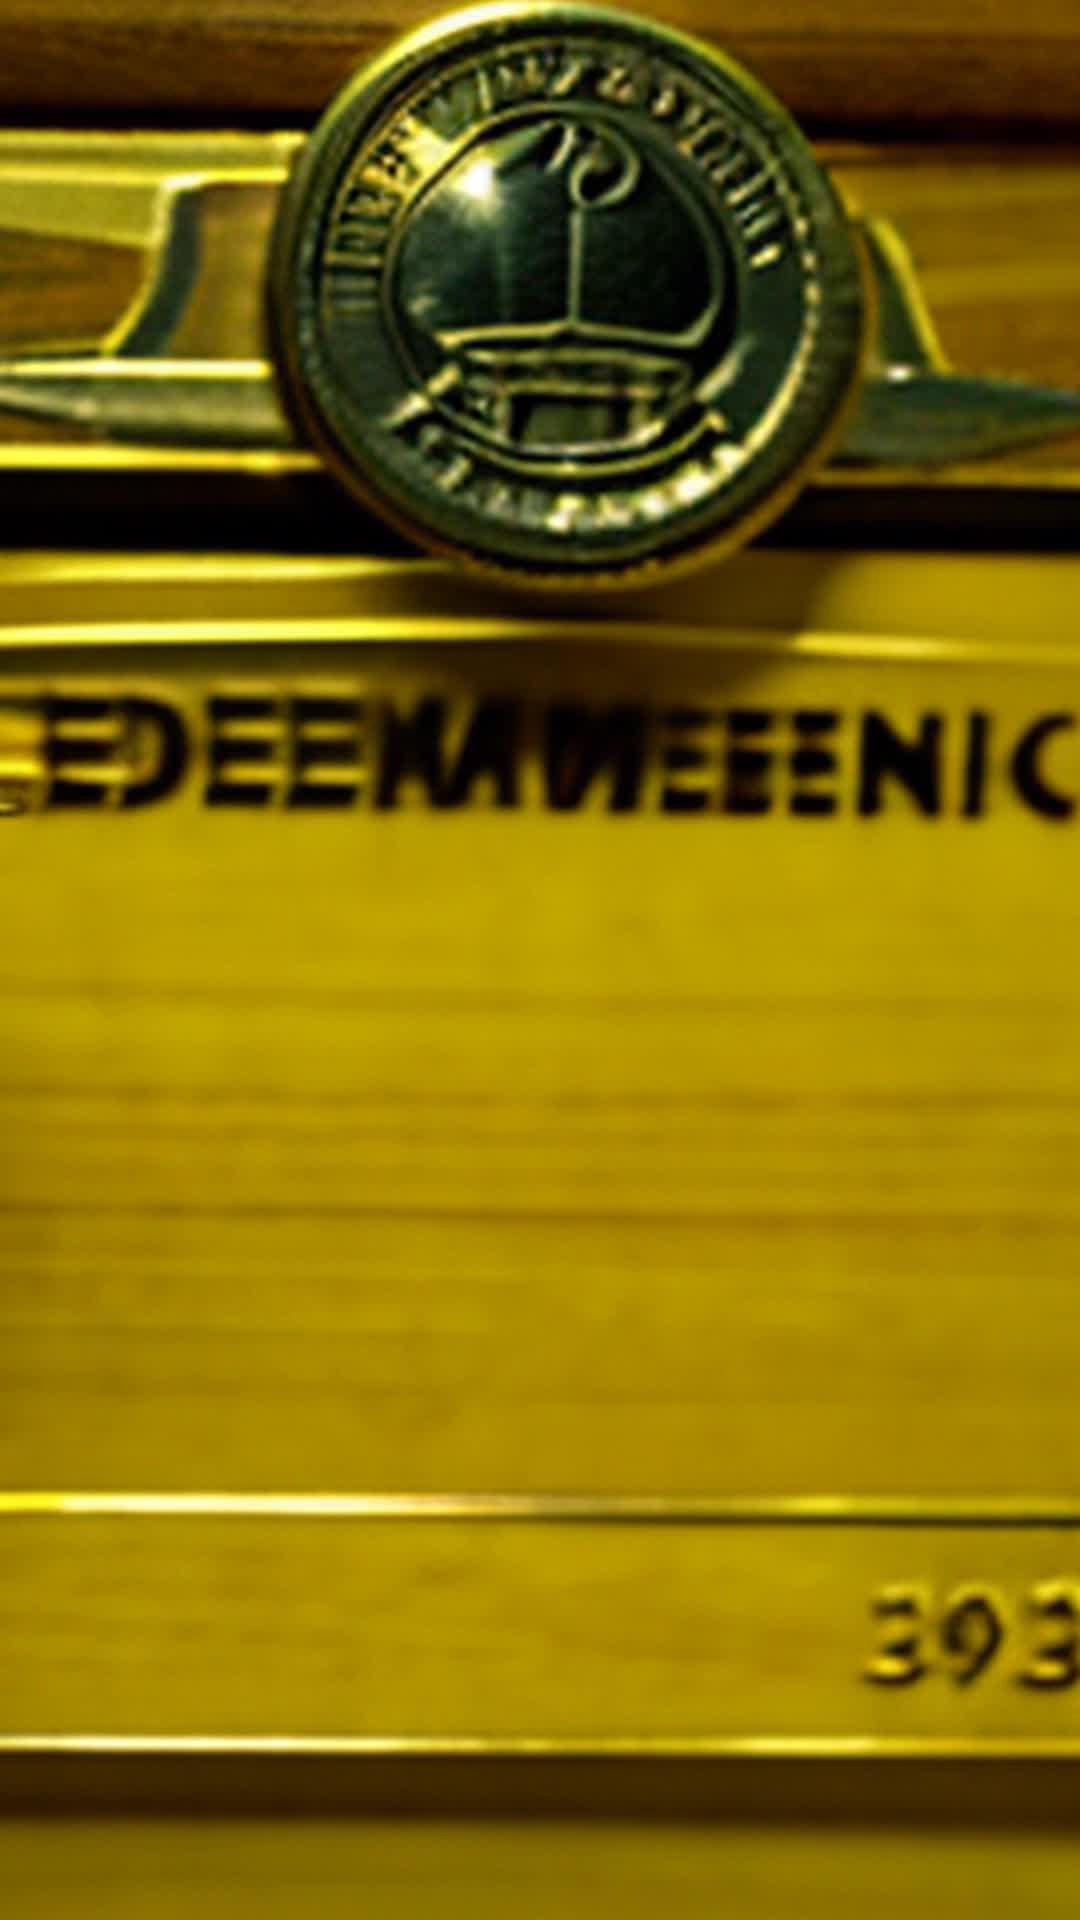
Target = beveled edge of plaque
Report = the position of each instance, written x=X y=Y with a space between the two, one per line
x=1045 y=1513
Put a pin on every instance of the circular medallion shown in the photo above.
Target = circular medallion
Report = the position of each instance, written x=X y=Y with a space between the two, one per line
x=565 y=294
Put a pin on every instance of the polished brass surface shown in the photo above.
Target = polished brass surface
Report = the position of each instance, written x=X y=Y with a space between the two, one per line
x=538 y=1212
x=408 y=1146
x=538 y=1627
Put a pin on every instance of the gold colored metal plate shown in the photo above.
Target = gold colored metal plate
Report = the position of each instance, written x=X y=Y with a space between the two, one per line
x=461 y=1627
x=667 y=1149
x=538 y=1213
x=539 y=1208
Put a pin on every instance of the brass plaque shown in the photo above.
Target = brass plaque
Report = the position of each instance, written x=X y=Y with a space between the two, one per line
x=539 y=1202
x=538 y=1209
x=538 y=1213
x=531 y=1627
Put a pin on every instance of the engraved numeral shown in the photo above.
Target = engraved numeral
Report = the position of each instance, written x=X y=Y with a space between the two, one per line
x=1055 y=1658
x=899 y=1660
x=964 y=1635
x=972 y=1629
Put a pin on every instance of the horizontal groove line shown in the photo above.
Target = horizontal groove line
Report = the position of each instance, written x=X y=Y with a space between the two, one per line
x=624 y=1748
x=902 y=1510
x=832 y=42
x=980 y=1219
x=562 y=1105
x=328 y=1000
x=779 y=640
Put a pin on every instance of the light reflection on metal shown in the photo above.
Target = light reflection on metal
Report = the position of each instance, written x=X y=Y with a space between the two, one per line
x=182 y=403
x=914 y=409
x=1028 y=1511
x=183 y=376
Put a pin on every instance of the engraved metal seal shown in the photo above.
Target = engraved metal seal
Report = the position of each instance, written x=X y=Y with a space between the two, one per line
x=566 y=294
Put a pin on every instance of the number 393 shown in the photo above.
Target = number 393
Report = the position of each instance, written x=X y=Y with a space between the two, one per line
x=962 y=1634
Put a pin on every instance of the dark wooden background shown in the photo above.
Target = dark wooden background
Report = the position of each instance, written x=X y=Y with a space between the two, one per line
x=958 y=65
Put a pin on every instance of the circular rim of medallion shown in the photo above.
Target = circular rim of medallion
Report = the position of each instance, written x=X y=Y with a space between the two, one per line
x=728 y=487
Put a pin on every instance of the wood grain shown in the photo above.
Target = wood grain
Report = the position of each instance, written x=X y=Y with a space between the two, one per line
x=836 y=63
x=61 y=292
x=991 y=236
x=517 y=1150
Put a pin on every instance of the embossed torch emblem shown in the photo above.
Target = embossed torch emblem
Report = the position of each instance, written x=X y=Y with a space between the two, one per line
x=565 y=292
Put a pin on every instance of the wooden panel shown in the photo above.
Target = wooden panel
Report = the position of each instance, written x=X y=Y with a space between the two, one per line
x=57 y=291
x=946 y=63
x=991 y=239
